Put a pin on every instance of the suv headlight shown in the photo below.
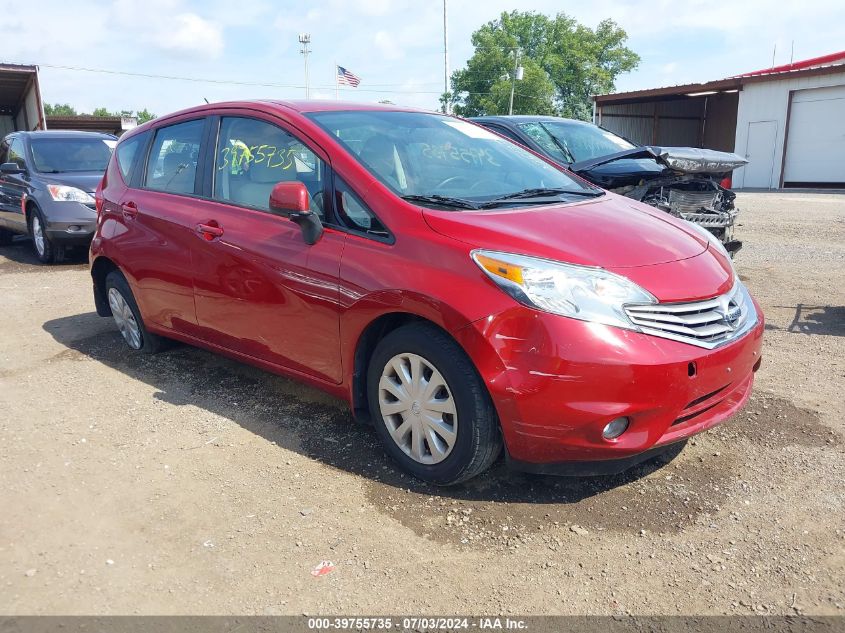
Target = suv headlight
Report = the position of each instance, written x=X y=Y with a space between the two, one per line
x=580 y=292
x=63 y=193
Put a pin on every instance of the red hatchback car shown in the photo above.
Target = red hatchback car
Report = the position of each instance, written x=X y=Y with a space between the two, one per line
x=459 y=291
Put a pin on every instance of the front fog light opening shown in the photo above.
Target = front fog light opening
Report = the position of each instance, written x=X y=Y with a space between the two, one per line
x=615 y=428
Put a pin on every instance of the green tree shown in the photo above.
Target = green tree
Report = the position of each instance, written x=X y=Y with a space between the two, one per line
x=101 y=112
x=59 y=109
x=564 y=62
x=145 y=115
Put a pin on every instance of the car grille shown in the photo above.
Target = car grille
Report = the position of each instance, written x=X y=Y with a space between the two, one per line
x=709 y=323
x=700 y=207
x=691 y=201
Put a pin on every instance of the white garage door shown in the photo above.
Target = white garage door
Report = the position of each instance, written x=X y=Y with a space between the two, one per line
x=815 y=147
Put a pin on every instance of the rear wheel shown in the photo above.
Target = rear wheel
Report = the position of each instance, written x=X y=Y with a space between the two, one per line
x=127 y=316
x=431 y=409
x=44 y=248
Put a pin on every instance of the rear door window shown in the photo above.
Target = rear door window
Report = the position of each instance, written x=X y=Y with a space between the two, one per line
x=172 y=166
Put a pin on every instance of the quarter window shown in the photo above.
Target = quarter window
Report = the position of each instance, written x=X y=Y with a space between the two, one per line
x=127 y=154
x=173 y=160
x=353 y=213
x=252 y=156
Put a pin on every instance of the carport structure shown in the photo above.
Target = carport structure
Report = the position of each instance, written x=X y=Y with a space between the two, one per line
x=20 y=99
x=788 y=121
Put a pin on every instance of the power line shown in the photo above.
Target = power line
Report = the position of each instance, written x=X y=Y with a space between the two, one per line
x=234 y=82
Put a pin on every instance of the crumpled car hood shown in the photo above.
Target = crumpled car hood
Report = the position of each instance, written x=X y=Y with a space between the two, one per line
x=690 y=160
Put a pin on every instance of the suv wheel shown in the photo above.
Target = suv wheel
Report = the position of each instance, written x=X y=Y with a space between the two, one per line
x=44 y=248
x=127 y=316
x=431 y=409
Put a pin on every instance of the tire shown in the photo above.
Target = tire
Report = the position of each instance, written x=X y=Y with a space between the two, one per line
x=127 y=316
x=44 y=249
x=462 y=410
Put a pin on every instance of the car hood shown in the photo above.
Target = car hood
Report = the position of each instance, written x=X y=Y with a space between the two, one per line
x=688 y=160
x=87 y=181
x=609 y=232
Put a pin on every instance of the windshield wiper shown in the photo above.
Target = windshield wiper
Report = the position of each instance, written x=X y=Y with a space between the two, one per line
x=443 y=201
x=562 y=146
x=543 y=193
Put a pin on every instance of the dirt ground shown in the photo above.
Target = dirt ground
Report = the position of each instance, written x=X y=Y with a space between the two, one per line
x=188 y=483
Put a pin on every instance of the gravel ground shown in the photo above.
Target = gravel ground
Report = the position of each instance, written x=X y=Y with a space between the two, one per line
x=188 y=483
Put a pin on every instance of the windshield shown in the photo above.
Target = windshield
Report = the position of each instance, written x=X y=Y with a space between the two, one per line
x=573 y=142
x=54 y=155
x=429 y=155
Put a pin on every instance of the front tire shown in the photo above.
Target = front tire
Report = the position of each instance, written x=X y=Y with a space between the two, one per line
x=45 y=250
x=431 y=409
x=127 y=316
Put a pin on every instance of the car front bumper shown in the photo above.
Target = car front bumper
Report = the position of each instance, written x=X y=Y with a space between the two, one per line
x=70 y=223
x=556 y=382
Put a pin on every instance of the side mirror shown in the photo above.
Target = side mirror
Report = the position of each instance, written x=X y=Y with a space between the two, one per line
x=11 y=168
x=290 y=200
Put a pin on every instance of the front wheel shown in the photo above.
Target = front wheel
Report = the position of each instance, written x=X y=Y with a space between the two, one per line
x=431 y=409
x=44 y=248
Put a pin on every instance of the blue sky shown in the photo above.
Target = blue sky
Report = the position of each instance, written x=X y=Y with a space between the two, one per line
x=395 y=46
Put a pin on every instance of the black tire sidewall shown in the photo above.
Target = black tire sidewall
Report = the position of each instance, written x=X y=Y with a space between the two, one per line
x=472 y=401
x=116 y=280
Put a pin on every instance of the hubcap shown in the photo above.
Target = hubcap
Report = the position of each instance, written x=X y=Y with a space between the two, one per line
x=124 y=318
x=418 y=409
x=38 y=235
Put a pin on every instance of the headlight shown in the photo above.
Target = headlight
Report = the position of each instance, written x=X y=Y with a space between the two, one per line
x=580 y=292
x=711 y=239
x=61 y=193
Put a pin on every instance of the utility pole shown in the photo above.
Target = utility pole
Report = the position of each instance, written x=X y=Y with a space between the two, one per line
x=445 y=61
x=516 y=74
x=305 y=40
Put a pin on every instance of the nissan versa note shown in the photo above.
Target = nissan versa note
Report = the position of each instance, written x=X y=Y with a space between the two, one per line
x=461 y=292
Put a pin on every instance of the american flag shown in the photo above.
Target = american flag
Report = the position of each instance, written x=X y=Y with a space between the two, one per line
x=347 y=78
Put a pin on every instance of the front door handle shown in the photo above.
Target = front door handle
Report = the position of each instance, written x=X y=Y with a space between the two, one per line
x=210 y=231
x=129 y=209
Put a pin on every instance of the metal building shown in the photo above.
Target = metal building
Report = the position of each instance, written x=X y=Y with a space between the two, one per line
x=789 y=121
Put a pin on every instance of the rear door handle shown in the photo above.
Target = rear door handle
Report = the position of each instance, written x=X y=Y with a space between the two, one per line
x=210 y=231
x=129 y=209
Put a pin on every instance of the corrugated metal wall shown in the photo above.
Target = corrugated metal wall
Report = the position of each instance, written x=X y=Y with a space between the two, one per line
x=670 y=122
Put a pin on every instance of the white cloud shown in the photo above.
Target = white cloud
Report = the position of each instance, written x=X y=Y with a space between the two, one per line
x=191 y=34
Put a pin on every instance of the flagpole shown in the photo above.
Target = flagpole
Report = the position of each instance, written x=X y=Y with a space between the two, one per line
x=335 y=81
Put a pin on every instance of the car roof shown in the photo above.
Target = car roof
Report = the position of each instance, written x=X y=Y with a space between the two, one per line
x=301 y=106
x=63 y=134
x=268 y=105
x=524 y=118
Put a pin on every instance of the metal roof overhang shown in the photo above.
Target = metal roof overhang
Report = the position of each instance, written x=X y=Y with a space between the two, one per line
x=720 y=85
x=15 y=82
